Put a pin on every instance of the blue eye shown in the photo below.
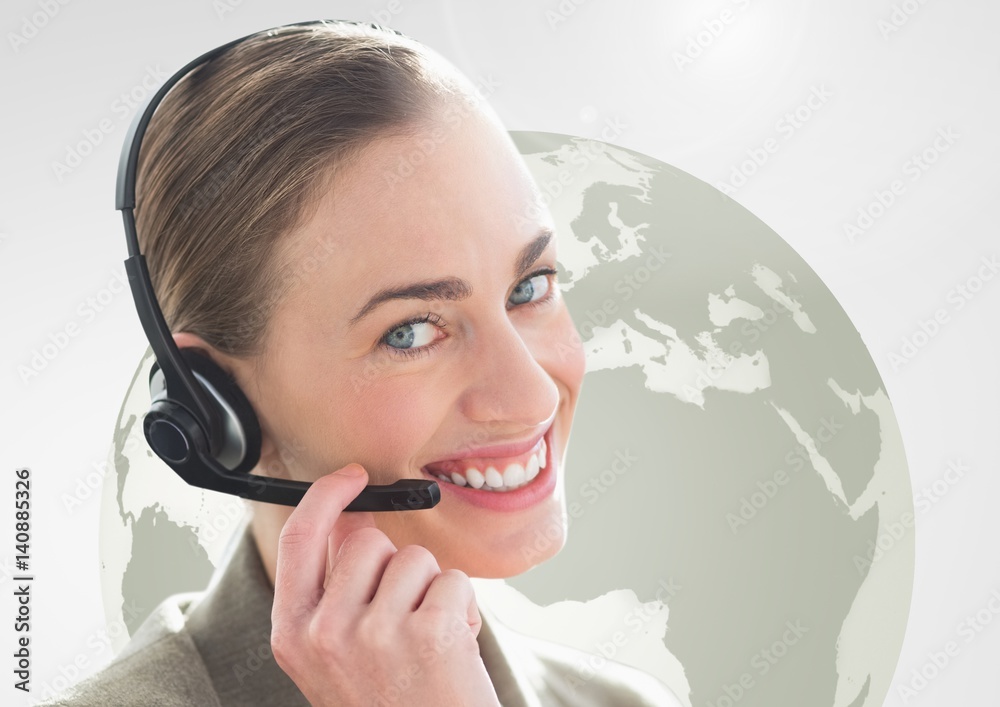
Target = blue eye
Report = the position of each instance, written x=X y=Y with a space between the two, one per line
x=400 y=337
x=526 y=289
x=409 y=340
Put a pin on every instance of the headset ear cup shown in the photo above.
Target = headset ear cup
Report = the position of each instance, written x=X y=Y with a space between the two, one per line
x=243 y=432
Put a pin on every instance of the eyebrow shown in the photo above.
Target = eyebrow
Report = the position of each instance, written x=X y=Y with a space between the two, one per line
x=451 y=288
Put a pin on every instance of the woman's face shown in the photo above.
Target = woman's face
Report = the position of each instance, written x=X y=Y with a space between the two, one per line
x=450 y=221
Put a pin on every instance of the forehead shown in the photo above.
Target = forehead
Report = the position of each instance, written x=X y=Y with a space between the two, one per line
x=453 y=189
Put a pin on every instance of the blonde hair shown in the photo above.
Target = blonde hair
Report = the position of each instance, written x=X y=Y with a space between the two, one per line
x=238 y=151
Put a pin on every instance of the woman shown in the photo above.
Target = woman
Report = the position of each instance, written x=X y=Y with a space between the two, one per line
x=335 y=217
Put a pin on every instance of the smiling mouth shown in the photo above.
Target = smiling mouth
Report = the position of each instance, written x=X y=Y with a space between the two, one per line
x=496 y=475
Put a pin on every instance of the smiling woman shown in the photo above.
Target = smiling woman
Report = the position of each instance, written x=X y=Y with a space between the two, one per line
x=394 y=327
x=459 y=315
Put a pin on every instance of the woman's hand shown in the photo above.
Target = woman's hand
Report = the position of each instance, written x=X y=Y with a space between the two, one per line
x=357 y=622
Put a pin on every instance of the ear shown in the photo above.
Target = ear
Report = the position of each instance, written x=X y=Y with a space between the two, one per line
x=232 y=379
x=230 y=365
x=184 y=340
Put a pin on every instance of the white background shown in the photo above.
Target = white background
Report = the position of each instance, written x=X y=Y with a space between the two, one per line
x=687 y=96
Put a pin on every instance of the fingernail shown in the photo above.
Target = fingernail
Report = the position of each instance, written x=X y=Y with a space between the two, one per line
x=351 y=469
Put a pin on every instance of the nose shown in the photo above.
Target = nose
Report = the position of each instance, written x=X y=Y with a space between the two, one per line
x=507 y=388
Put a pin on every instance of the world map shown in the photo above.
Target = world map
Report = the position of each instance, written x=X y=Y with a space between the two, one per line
x=740 y=511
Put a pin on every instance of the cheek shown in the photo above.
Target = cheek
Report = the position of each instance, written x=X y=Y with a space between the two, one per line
x=565 y=353
x=389 y=423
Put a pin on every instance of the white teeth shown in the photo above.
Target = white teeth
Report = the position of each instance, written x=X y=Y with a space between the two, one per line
x=531 y=471
x=513 y=475
x=493 y=478
x=475 y=477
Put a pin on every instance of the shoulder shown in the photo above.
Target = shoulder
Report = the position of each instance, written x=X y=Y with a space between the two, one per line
x=160 y=665
x=585 y=679
x=536 y=671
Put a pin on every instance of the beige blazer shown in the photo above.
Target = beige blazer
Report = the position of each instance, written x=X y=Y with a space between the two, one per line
x=212 y=649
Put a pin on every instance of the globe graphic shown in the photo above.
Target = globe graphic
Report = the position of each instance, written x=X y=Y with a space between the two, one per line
x=739 y=507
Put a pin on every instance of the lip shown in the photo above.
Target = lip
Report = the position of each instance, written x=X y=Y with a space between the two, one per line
x=497 y=451
x=538 y=489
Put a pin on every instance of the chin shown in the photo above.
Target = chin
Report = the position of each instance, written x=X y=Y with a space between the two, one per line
x=531 y=554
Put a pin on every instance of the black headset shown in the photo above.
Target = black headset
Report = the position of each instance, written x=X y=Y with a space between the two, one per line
x=200 y=423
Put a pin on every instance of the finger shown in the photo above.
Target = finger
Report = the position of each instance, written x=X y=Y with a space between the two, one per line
x=356 y=571
x=451 y=590
x=405 y=580
x=346 y=524
x=302 y=545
